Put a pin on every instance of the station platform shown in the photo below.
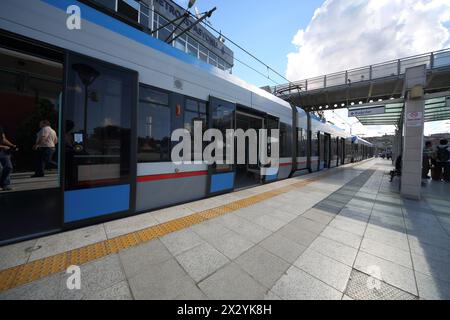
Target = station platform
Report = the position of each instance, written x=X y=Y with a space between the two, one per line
x=344 y=233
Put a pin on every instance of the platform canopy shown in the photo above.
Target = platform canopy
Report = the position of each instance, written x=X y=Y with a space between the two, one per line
x=436 y=109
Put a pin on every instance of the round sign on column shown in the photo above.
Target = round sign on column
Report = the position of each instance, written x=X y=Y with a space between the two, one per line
x=414 y=119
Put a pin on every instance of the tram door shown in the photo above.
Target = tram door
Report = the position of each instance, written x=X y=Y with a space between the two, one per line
x=324 y=146
x=342 y=151
x=221 y=176
x=31 y=90
x=100 y=140
x=248 y=172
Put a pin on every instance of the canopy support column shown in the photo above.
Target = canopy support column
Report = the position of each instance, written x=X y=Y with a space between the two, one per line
x=413 y=130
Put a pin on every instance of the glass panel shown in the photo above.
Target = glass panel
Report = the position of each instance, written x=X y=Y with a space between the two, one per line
x=129 y=9
x=203 y=54
x=202 y=107
x=155 y=96
x=190 y=118
x=223 y=115
x=302 y=142
x=110 y=4
x=153 y=126
x=195 y=111
x=213 y=59
x=271 y=124
x=144 y=21
x=163 y=34
x=442 y=59
x=193 y=51
x=203 y=57
x=413 y=62
x=98 y=124
x=144 y=10
x=357 y=75
x=314 y=144
x=191 y=105
x=155 y=24
x=180 y=43
x=285 y=140
x=30 y=91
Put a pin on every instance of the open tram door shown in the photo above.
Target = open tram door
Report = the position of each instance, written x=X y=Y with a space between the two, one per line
x=31 y=95
x=222 y=116
x=249 y=122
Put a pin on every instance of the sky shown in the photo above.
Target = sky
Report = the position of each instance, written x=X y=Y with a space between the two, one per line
x=307 y=38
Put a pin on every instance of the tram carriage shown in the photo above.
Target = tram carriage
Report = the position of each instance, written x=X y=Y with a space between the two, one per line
x=115 y=94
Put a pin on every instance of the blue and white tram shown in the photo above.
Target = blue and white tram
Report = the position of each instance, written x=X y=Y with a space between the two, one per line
x=114 y=95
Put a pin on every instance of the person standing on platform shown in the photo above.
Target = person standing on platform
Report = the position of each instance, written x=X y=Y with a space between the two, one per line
x=426 y=158
x=5 y=161
x=442 y=158
x=45 y=146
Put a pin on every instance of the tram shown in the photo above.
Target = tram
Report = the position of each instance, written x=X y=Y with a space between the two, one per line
x=114 y=94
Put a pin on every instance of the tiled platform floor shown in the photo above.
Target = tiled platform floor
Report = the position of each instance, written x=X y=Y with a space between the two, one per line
x=303 y=244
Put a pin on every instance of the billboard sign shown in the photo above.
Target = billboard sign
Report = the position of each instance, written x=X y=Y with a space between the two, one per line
x=367 y=111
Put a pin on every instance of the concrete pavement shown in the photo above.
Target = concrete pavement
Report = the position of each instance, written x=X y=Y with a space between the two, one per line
x=346 y=235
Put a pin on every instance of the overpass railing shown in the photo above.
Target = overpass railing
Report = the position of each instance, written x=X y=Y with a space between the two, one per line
x=394 y=68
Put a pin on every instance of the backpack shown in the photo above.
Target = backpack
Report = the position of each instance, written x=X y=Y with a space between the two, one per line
x=443 y=155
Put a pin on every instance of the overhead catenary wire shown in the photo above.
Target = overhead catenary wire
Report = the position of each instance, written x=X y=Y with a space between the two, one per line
x=183 y=29
x=243 y=49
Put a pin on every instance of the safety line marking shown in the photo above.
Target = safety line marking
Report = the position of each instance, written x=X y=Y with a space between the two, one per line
x=38 y=269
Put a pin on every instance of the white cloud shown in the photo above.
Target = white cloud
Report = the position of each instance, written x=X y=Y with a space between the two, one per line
x=345 y=34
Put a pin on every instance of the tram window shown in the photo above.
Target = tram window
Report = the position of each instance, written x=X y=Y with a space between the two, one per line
x=222 y=118
x=129 y=9
x=98 y=123
x=154 y=128
x=30 y=92
x=285 y=140
x=333 y=148
x=195 y=111
x=110 y=4
x=302 y=142
x=314 y=144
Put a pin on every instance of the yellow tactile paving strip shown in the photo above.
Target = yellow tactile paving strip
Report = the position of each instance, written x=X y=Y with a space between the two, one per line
x=35 y=270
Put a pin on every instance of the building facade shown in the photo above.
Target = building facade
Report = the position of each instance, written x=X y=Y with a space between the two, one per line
x=152 y=15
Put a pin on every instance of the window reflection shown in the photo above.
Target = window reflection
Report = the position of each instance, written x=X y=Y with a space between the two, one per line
x=195 y=111
x=154 y=129
x=302 y=142
x=285 y=140
x=222 y=119
x=30 y=92
x=314 y=144
x=98 y=126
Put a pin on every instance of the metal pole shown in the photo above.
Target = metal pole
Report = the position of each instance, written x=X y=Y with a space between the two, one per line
x=185 y=17
x=169 y=23
x=206 y=15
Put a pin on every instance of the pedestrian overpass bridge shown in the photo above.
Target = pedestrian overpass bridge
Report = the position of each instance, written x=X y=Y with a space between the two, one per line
x=406 y=93
x=371 y=84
